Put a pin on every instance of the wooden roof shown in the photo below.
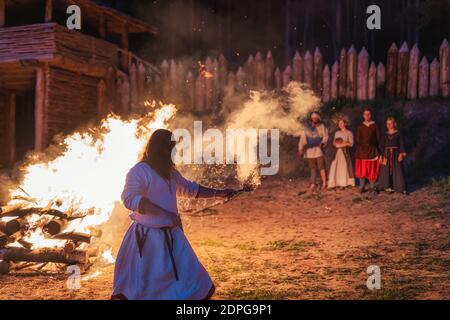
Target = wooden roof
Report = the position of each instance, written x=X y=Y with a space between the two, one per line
x=90 y=12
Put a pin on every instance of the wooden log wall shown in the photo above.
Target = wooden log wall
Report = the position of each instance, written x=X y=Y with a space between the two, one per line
x=71 y=100
x=354 y=76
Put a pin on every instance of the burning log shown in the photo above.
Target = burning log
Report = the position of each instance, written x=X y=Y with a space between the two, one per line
x=55 y=226
x=4 y=239
x=10 y=209
x=15 y=225
x=43 y=255
x=73 y=236
x=5 y=266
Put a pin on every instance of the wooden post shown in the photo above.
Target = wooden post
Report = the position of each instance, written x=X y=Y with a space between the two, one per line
x=249 y=70
x=423 y=78
x=223 y=71
x=216 y=83
x=381 y=80
x=342 y=92
x=209 y=85
x=164 y=80
x=372 y=82
x=241 y=79
x=334 y=90
x=2 y=13
x=434 y=78
x=190 y=91
x=413 y=72
x=110 y=81
x=308 y=69
x=231 y=84
x=123 y=85
x=40 y=109
x=352 y=64
x=444 y=54
x=363 y=68
x=124 y=46
x=7 y=129
x=287 y=75
x=259 y=71
x=297 y=67
x=278 y=80
x=48 y=10
x=200 y=94
x=133 y=88
x=391 y=71
x=269 y=67
x=101 y=25
x=101 y=99
x=326 y=84
x=318 y=72
x=402 y=71
x=141 y=79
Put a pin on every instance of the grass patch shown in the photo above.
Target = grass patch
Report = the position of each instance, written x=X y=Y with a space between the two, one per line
x=211 y=243
x=291 y=245
x=259 y=294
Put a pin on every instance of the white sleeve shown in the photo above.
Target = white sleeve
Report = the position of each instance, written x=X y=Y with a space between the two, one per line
x=185 y=188
x=135 y=188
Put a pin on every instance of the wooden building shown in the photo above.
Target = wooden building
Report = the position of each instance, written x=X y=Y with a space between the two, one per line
x=53 y=79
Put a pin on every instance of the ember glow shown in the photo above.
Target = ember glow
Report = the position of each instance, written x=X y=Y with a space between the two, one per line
x=204 y=72
x=88 y=176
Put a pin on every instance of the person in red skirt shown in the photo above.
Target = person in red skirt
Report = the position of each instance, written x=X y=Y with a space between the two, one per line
x=368 y=137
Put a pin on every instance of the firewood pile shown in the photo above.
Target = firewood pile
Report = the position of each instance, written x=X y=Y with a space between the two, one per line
x=18 y=252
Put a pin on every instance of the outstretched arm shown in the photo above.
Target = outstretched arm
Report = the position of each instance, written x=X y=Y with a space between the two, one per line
x=205 y=192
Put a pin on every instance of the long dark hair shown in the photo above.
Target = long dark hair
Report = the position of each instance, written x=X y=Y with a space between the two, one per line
x=158 y=153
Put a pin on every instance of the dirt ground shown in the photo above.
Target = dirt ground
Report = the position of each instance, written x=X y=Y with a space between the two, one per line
x=280 y=243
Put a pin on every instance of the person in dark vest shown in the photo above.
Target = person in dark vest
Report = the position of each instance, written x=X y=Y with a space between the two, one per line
x=368 y=137
x=392 y=146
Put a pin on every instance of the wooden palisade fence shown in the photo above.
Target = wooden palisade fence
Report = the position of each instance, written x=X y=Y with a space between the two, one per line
x=352 y=77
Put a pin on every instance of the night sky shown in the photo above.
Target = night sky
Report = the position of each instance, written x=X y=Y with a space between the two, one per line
x=195 y=28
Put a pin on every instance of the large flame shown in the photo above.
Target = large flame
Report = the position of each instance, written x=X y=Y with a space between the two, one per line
x=88 y=176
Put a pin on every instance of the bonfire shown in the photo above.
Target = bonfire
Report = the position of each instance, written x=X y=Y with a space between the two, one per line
x=54 y=217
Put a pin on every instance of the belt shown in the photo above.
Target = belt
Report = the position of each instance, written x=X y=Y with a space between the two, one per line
x=141 y=236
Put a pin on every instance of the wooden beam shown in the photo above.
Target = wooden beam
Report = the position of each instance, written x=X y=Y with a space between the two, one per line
x=124 y=46
x=2 y=12
x=48 y=10
x=40 y=109
x=12 y=127
x=102 y=25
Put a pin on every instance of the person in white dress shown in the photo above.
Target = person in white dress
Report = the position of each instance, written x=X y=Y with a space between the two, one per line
x=341 y=170
x=155 y=260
